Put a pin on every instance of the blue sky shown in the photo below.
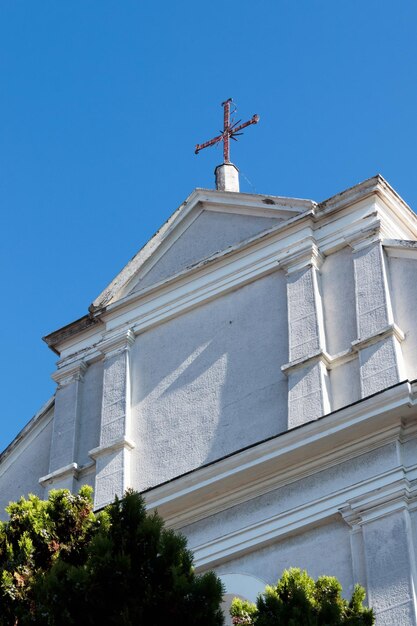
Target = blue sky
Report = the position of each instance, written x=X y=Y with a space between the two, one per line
x=102 y=103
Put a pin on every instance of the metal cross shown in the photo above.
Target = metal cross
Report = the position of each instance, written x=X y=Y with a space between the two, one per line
x=230 y=130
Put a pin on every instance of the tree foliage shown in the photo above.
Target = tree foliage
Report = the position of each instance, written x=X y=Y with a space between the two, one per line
x=62 y=565
x=298 y=600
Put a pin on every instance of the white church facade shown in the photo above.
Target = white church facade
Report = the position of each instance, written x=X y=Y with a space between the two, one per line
x=251 y=371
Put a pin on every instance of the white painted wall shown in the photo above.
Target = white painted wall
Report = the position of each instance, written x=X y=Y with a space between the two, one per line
x=403 y=284
x=21 y=469
x=338 y=293
x=209 y=382
x=321 y=550
x=209 y=233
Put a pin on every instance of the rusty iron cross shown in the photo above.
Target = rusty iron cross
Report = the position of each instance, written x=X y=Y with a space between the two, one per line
x=230 y=130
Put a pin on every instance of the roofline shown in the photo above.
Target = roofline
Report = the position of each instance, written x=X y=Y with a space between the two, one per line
x=78 y=326
x=198 y=195
x=33 y=422
x=375 y=185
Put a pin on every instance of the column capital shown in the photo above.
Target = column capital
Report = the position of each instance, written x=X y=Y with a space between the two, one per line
x=393 y=497
x=306 y=256
x=116 y=342
x=69 y=373
x=365 y=238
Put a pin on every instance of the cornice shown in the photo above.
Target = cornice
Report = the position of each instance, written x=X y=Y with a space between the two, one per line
x=383 y=494
x=70 y=373
x=116 y=342
x=326 y=224
x=400 y=248
x=340 y=435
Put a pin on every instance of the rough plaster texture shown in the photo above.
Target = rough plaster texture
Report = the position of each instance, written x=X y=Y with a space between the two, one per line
x=66 y=416
x=209 y=383
x=338 y=291
x=372 y=301
x=379 y=366
x=345 y=384
x=303 y=327
x=115 y=399
x=390 y=564
x=307 y=394
x=90 y=409
x=404 y=300
x=314 y=550
x=28 y=464
x=110 y=477
x=295 y=494
x=209 y=233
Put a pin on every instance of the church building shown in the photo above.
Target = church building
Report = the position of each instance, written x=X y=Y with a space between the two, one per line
x=253 y=371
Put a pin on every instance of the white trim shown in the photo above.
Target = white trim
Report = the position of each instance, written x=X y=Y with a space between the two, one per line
x=69 y=373
x=27 y=435
x=277 y=527
x=62 y=472
x=300 y=452
x=121 y=444
x=207 y=197
x=400 y=249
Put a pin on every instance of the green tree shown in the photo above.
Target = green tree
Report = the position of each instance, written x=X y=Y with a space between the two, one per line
x=298 y=600
x=62 y=565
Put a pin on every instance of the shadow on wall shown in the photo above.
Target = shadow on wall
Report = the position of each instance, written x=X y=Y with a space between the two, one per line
x=209 y=382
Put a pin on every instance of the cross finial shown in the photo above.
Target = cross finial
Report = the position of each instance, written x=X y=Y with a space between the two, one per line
x=231 y=129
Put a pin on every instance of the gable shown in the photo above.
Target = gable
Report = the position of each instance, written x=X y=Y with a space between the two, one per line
x=210 y=232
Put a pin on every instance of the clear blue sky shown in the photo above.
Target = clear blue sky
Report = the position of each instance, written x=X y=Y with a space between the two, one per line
x=103 y=102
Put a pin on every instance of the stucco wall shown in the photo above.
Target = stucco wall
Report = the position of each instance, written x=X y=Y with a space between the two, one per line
x=209 y=233
x=403 y=287
x=293 y=495
x=88 y=436
x=321 y=550
x=209 y=382
x=338 y=291
x=20 y=471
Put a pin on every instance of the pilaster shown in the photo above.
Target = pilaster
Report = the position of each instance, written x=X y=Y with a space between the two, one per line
x=308 y=393
x=383 y=554
x=63 y=466
x=379 y=339
x=112 y=455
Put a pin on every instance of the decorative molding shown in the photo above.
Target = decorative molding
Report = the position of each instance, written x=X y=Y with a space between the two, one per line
x=116 y=342
x=366 y=237
x=70 y=470
x=336 y=437
x=376 y=504
x=70 y=373
x=306 y=256
x=279 y=526
x=401 y=249
x=334 y=222
x=392 y=330
x=121 y=444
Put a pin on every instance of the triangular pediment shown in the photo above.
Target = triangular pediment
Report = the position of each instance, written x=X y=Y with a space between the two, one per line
x=208 y=222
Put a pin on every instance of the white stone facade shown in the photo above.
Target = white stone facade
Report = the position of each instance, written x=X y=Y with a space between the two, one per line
x=252 y=371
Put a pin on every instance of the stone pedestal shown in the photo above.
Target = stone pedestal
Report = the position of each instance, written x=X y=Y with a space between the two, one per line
x=227 y=177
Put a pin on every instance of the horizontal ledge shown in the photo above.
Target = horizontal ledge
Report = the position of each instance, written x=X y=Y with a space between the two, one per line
x=392 y=330
x=62 y=472
x=111 y=447
x=332 y=361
